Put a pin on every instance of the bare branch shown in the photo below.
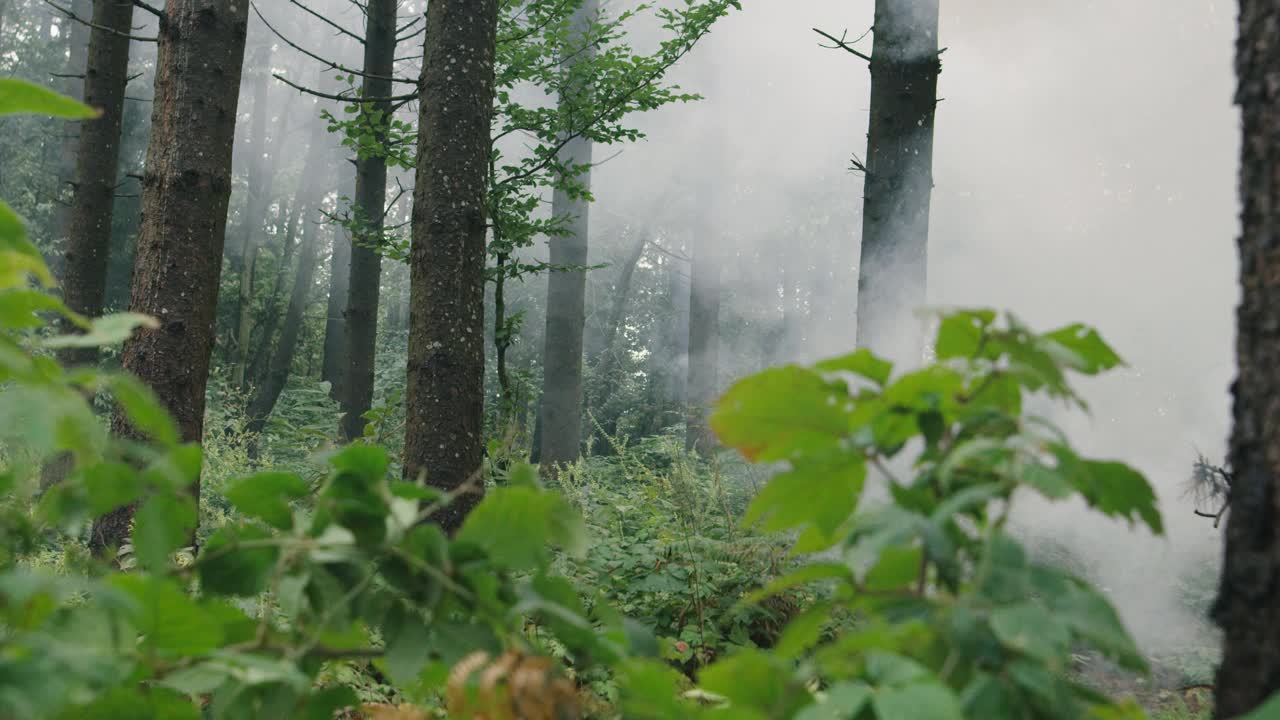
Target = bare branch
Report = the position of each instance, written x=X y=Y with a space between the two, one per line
x=71 y=15
x=341 y=30
x=343 y=98
x=327 y=63
x=842 y=44
x=149 y=8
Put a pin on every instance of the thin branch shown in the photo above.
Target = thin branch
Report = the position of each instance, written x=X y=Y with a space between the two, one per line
x=841 y=44
x=96 y=26
x=341 y=30
x=327 y=63
x=149 y=8
x=343 y=98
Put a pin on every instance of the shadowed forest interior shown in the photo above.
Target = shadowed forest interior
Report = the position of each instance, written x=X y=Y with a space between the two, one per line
x=548 y=359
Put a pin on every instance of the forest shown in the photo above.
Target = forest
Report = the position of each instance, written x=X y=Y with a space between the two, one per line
x=639 y=359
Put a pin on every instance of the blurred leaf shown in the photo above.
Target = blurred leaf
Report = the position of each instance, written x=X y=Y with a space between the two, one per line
x=143 y=408
x=106 y=330
x=164 y=523
x=753 y=680
x=922 y=701
x=169 y=620
x=782 y=413
x=20 y=96
x=861 y=362
x=227 y=567
x=517 y=527
x=267 y=495
x=822 y=494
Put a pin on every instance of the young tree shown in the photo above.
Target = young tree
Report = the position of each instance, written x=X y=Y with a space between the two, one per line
x=704 y=342
x=561 y=437
x=186 y=190
x=335 y=326
x=76 y=29
x=84 y=275
x=445 y=398
x=370 y=201
x=899 y=175
x=1248 y=608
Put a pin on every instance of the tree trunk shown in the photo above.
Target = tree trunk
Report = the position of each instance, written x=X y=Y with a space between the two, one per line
x=185 y=194
x=445 y=399
x=704 y=344
x=566 y=289
x=606 y=355
x=254 y=211
x=73 y=84
x=84 y=277
x=899 y=177
x=1248 y=605
x=335 y=325
x=268 y=391
x=370 y=209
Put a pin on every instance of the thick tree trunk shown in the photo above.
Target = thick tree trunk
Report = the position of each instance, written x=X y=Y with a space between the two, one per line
x=72 y=84
x=899 y=177
x=335 y=325
x=268 y=391
x=1248 y=604
x=704 y=344
x=258 y=192
x=371 y=199
x=566 y=289
x=185 y=193
x=445 y=399
x=84 y=276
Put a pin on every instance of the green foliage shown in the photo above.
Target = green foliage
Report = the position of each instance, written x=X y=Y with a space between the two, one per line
x=952 y=619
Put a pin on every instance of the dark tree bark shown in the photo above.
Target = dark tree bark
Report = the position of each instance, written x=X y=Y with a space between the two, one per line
x=370 y=209
x=84 y=276
x=445 y=399
x=1248 y=604
x=185 y=194
x=566 y=289
x=335 y=325
x=704 y=344
x=73 y=84
x=258 y=196
x=899 y=177
x=268 y=391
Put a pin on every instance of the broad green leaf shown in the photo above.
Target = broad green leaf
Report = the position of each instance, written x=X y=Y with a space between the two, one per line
x=267 y=495
x=1030 y=629
x=803 y=575
x=960 y=334
x=1119 y=491
x=1092 y=353
x=20 y=308
x=822 y=494
x=841 y=702
x=20 y=96
x=782 y=413
x=922 y=701
x=177 y=469
x=106 y=330
x=164 y=523
x=408 y=645
x=650 y=690
x=523 y=474
x=368 y=461
x=803 y=631
x=518 y=526
x=167 y=618
x=143 y=408
x=136 y=704
x=861 y=362
x=898 y=567
x=196 y=680
x=354 y=500
x=754 y=680
x=237 y=560
x=110 y=485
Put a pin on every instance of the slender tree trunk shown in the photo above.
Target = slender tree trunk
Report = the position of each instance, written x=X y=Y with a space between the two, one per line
x=268 y=391
x=899 y=177
x=254 y=212
x=335 y=326
x=184 y=200
x=606 y=355
x=704 y=344
x=370 y=209
x=566 y=289
x=677 y=386
x=73 y=84
x=1248 y=605
x=445 y=400
x=106 y=74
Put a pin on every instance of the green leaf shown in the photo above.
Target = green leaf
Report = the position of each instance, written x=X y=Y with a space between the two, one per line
x=367 y=461
x=169 y=620
x=960 y=334
x=1030 y=629
x=754 y=680
x=20 y=96
x=408 y=645
x=106 y=330
x=803 y=631
x=20 y=308
x=782 y=413
x=1090 y=353
x=143 y=408
x=821 y=494
x=110 y=485
x=861 y=362
x=353 y=500
x=164 y=523
x=841 y=702
x=898 y=567
x=267 y=495
x=1119 y=491
x=226 y=567
x=922 y=701
x=803 y=575
x=517 y=526
x=1269 y=710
